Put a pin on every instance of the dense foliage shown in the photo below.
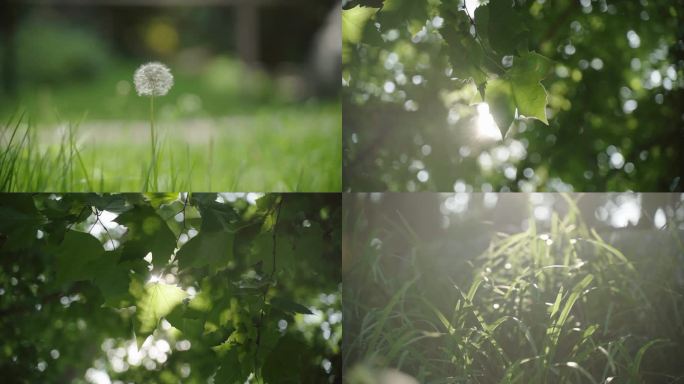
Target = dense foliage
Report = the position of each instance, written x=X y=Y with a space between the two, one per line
x=465 y=289
x=168 y=288
x=587 y=95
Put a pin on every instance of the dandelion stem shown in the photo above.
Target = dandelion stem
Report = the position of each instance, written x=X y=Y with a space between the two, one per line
x=153 y=143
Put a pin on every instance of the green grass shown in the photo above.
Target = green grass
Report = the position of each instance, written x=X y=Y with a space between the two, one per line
x=222 y=126
x=289 y=148
x=559 y=305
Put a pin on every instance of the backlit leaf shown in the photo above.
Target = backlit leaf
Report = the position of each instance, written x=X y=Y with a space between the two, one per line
x=157 y=301
x=525 y=78
x=501 y=105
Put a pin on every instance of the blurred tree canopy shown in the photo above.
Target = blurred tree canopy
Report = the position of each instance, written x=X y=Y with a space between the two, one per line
x=170 y=288
x=586 y=95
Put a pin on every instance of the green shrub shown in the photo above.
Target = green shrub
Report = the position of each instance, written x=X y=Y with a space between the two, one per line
x=56 y=53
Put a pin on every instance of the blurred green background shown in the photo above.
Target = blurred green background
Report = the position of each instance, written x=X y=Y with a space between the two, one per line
x=62 y=56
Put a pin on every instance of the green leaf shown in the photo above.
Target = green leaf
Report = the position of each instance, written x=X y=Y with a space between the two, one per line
x=106 y=202
x=158 y=199
x=287 y=305
x=20 y=221
x=501 y=103
x=363 y=3
x=635 y=366
x=74 y=257
x=214 y=249
x=555 y=329
x=482 y=22
x=505 y=29
x=191 y=327
x=215 y=216
x=265 y=202
x=111 y=278
x=231 y=371
x=157 y=301
x=288 y=361
x=244 y=240
x=465 y=53
x=525 y=78
x=147 y=232
x=402 y=14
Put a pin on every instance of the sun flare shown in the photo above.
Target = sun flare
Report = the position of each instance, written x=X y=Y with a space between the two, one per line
x=485 y=124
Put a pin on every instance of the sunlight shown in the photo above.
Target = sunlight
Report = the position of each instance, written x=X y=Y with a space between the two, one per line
x=485 y=124
x=471 y=5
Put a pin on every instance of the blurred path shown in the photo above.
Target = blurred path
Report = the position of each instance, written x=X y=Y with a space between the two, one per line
x=192 y=131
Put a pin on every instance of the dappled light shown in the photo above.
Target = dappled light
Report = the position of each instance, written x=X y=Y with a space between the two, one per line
x=590 y=89
x=519 y=288
x=177 y=287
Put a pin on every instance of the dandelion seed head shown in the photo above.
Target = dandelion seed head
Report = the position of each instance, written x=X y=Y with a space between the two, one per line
x=153 y=79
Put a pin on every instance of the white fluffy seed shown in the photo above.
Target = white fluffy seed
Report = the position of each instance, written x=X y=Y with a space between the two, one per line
x=153 y=79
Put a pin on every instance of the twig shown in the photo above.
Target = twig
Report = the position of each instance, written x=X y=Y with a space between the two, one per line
x=185 y=206
x=479 y=40
x=98 y=213
x=268 y=286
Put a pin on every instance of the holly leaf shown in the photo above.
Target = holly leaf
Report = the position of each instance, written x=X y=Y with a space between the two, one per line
x=525 y=78
x=157 y=301
x=74 y=255
x=207 y=248
x=147 y=232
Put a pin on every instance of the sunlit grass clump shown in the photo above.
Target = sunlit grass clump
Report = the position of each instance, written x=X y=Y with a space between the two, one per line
x=553 y=305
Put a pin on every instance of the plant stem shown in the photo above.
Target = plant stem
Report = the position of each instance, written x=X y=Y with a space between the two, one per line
x=153 y=143
x=262 y=314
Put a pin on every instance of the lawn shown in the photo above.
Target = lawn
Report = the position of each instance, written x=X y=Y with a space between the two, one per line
x=221 y=129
